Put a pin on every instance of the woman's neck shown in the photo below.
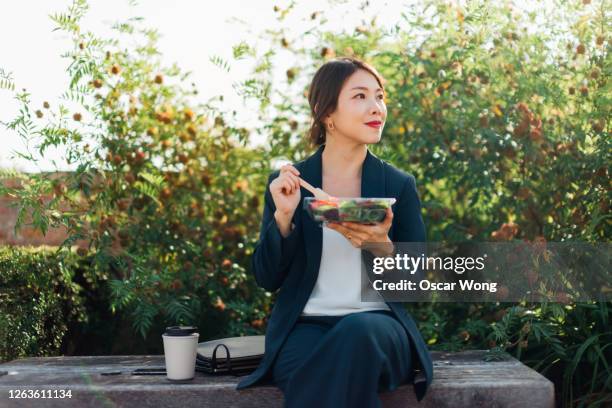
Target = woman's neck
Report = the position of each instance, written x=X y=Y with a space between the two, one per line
x=343 y=161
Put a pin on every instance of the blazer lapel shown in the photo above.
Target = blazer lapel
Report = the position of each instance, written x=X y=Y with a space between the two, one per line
x=372 y=185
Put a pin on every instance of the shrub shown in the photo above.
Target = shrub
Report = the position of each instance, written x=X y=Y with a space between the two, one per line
x=164 y=193
x=38 y=302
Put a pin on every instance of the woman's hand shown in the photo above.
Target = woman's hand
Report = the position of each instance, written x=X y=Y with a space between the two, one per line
x=372 y=237
x=285 y=191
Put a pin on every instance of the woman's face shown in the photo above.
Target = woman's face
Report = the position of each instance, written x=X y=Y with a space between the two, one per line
x=360 y=101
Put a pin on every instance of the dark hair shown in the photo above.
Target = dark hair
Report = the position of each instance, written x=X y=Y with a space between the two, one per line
x=325 y=89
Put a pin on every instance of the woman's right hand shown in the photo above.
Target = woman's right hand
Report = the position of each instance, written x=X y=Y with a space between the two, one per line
x=285 y=190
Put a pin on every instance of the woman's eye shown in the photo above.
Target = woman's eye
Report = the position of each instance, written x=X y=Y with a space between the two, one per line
x=379 y=96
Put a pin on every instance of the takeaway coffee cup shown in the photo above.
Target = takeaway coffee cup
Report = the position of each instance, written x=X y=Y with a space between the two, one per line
x=180 y=350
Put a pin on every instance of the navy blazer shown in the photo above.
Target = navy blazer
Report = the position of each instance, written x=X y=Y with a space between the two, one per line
x=291 y=263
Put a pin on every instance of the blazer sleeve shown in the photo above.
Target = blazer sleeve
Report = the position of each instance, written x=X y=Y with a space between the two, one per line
x=273 y=253
x=410 y=226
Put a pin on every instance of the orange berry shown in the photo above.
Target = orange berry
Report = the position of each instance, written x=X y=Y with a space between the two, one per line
x=140 y=156
x=165 y=192
x=183 y=158
x=327 y=52
x=598 y=126
x=206 y=179
x=191 y=129
x=164 y=117
x=188 y=114
x=219 y=304
x=257 y=323
x=535 y=135
x=522 y=106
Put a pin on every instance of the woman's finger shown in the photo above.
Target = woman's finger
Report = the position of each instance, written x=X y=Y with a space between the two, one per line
x=290 y=169
x=362 y=230
x=287 y=186
x=353 y=226
x=346 y=229
x=389 y=217
x=294 y=179
x=347 y=232
x=290 y=178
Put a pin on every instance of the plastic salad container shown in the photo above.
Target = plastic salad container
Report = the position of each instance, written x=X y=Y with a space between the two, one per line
x=351 y=209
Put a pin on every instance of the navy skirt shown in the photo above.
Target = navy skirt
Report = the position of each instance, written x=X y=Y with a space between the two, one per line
x=343 y=361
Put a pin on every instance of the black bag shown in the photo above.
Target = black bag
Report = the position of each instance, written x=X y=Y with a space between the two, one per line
x=234 y=355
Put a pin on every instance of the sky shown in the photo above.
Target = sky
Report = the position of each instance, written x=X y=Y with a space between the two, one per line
x=191 y=32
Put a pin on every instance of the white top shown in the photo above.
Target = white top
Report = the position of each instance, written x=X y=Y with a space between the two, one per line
x=338 y=287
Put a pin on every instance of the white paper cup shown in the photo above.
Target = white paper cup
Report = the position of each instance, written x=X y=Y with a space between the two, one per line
x=180 y=355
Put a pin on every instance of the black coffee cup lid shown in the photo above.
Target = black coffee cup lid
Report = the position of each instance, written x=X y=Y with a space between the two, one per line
x=180 y=330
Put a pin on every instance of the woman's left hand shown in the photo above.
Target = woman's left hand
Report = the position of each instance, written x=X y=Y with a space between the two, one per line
x=360 y=235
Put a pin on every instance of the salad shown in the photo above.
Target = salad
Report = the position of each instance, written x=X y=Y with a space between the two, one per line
x=359 y=210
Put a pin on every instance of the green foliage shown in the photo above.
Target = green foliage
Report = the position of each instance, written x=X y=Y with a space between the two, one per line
x=6 y=81
x=165 y=194
x=504 y=122
x=38 y=301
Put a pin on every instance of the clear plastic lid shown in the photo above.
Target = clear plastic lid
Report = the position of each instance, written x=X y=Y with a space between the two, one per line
x=362 y=210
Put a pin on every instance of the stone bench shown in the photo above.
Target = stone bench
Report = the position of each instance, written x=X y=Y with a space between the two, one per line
x=460 y=380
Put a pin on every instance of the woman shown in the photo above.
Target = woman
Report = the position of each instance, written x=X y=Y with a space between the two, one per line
x=324 y=347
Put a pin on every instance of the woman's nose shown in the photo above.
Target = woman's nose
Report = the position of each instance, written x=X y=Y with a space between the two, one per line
x=376 y=109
